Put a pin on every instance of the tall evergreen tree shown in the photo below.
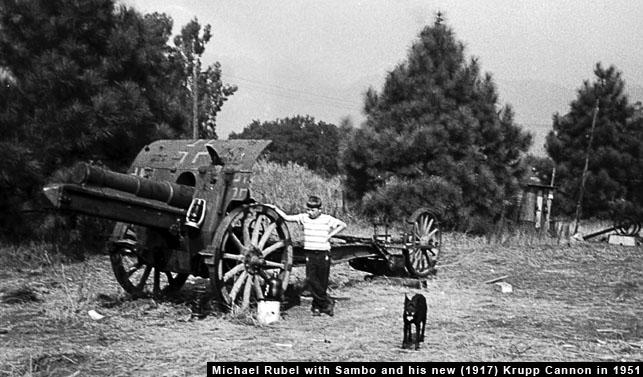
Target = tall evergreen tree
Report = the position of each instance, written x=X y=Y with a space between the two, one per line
x=436 y=126
x=615 y=162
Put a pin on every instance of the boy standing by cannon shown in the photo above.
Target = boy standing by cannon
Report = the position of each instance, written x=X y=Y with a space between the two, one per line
x=318 y=228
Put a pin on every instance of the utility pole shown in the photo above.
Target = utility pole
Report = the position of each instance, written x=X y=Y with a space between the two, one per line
x=550 y=199
x=195 y=99
x=584 y=176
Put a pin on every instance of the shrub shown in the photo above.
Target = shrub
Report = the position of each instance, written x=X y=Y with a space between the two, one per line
x=399 y=198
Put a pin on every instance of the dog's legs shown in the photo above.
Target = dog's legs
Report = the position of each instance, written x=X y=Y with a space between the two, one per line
x=417 y=335
x=423 y=326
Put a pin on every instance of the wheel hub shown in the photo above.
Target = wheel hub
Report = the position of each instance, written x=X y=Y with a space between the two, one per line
x=253 y=260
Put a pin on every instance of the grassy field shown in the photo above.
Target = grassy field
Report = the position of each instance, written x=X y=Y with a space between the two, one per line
x=569 y=302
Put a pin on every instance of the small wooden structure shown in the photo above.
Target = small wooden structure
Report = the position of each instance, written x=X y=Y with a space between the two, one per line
x=536 y=203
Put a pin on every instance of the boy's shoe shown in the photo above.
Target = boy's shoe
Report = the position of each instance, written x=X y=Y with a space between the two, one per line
x=316 y=312
x=330 y=309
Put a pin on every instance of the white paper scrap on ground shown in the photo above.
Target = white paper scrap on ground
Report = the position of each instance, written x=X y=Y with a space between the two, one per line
x=505 y=287
x=93 y=314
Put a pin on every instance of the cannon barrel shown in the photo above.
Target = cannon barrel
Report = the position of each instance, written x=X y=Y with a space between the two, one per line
x=173 y=194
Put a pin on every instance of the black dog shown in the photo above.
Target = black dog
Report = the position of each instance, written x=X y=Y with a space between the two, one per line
x=414 y=313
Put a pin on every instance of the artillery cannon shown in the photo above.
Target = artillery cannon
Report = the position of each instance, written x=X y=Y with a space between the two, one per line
x=184 y=208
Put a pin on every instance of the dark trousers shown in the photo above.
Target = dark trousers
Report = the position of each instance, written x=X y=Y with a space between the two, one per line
x=317 y=271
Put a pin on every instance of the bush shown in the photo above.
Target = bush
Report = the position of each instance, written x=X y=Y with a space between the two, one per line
x=399 y=198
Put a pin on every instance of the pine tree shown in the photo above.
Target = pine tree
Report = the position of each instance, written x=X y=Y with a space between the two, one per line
x=437 y=116
x=615 y=162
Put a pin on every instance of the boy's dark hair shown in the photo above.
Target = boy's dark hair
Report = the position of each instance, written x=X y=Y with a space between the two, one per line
x=314 y=202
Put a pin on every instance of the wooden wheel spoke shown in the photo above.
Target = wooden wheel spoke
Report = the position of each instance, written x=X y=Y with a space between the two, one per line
x=271 y=228
x=170 y=278
x=430 y=225
x=157 y=281
x=273 y=247
x=256 y=229
x=425 y=258
x=143 y=279
x=236 y=257
x=257 y=286
x=285 y=278
x=418 y=261
x=233 y=271
x=245 y=226
x=246 y=293
x=237 y=286
x=275 y=264
x=237 y=243
x=433 y=253
x=425 y=222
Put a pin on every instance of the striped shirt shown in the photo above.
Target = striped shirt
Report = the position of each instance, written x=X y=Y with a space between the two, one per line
x=316 y=230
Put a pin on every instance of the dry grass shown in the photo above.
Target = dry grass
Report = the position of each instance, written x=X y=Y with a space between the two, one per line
x=569 y=303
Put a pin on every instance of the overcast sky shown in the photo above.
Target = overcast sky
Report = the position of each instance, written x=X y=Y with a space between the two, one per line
x=292 y=57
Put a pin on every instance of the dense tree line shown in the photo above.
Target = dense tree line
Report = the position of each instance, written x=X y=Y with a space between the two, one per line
x=84 y=80
x=300 y=139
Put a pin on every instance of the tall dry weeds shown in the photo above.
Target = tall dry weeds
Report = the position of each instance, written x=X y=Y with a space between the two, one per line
x=288 y=186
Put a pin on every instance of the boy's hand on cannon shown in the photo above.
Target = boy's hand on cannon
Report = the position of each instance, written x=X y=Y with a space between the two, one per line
x=277 y=209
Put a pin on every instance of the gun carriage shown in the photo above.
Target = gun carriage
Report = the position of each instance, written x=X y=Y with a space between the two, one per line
x=184 y=208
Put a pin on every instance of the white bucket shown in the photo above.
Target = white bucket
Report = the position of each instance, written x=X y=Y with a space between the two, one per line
x=268 y=311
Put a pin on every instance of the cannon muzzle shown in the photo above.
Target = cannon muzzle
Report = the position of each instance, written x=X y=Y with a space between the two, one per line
x=173 y=194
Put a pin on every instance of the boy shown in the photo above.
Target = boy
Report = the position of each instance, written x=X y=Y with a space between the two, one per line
x=318 y=230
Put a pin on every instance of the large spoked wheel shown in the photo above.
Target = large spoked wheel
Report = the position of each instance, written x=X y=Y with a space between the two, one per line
x=135 y=267
x=251 y=245
x=627 y=226
x=423 y=248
